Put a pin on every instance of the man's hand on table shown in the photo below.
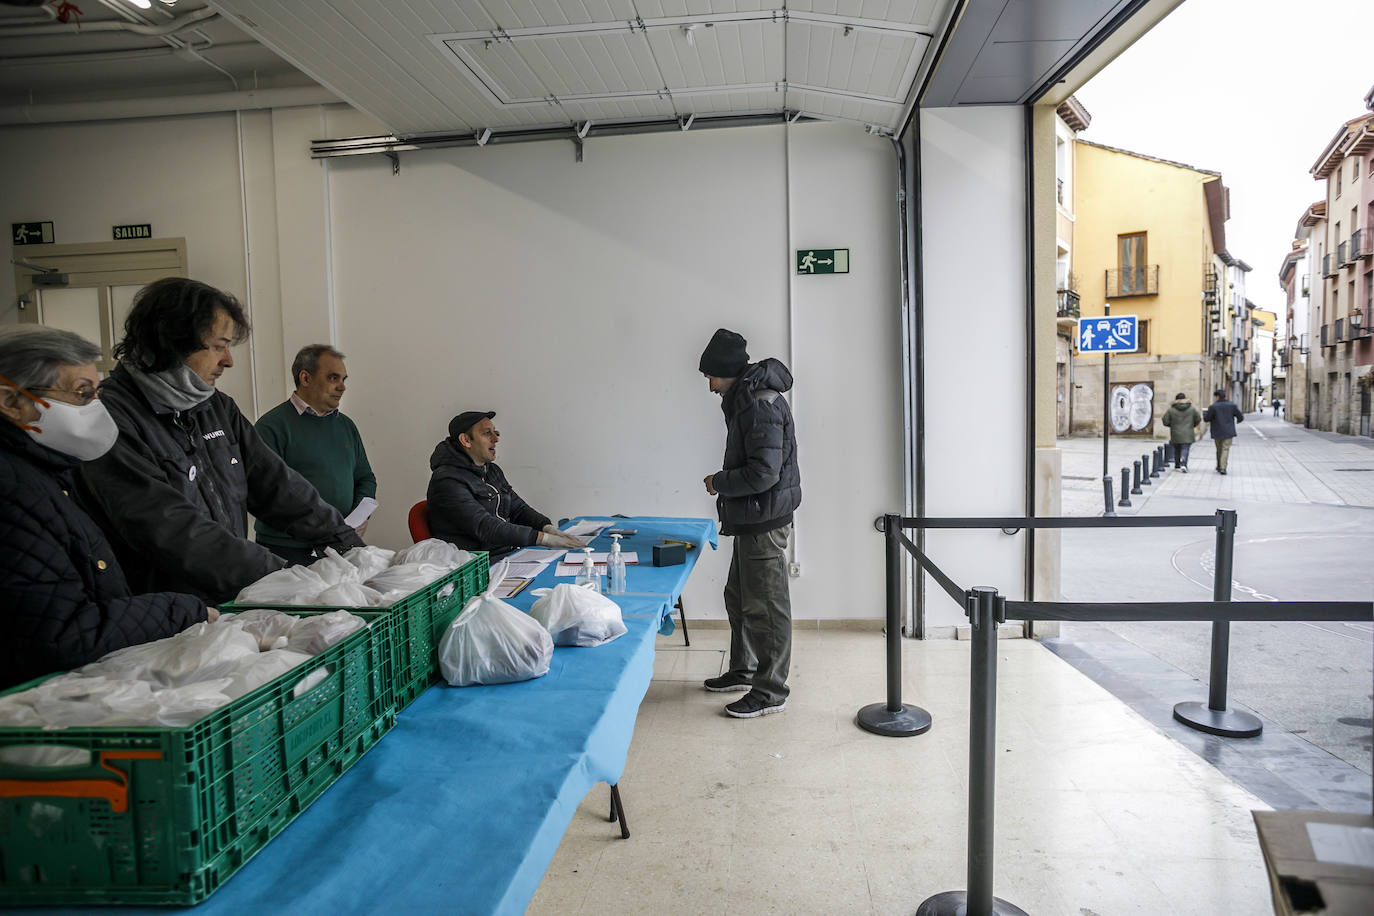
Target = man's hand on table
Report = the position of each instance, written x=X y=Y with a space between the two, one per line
x=707 y=480
x=552 y=537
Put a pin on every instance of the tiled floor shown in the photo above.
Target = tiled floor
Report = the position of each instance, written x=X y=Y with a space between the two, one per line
x=1098 y=813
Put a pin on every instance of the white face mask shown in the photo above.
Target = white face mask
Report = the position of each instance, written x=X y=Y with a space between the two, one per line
x=85 y=433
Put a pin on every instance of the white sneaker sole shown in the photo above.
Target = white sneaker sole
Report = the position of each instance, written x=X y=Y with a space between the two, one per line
x=730 y=689
x=765 y=711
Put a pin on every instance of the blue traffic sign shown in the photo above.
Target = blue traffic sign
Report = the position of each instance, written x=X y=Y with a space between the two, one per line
x=1114 y=334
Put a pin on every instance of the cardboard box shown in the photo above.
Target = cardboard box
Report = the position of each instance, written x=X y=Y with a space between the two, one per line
x=1300 y=882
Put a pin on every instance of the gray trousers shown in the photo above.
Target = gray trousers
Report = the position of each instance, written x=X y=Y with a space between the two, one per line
x=760 y=611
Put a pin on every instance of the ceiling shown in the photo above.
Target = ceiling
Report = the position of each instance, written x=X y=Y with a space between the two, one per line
x=432 y=68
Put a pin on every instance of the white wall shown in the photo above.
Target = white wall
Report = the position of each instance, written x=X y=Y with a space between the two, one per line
x=973 y=218
x=573 y=298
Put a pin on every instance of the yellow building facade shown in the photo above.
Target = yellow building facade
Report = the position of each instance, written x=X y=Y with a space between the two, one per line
x=1146 y=236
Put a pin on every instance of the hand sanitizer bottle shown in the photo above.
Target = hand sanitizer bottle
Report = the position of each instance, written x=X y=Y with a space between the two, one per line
x=615 y=568
x=587 y=575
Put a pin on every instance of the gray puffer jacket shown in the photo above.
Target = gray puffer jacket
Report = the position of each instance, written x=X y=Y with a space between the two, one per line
x=759 y=484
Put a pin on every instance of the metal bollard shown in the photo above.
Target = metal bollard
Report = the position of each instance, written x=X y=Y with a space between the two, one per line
x=985 y=609
x=1160 y=463
x=1135 y=486
x=1214 y=718
x=1145 y=476
x=1125 y=499
x=1109 y=512
x=1168 y=451
x=894 y=719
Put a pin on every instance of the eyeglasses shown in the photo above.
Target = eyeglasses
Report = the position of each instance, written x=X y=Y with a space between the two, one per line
x=83 y=395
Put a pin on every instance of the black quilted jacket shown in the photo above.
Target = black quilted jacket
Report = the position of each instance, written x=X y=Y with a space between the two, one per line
x=759 y=484
x=175 y=492
x=63 y=598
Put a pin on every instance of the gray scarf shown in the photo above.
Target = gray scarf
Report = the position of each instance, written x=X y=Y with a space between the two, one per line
x=171 y=389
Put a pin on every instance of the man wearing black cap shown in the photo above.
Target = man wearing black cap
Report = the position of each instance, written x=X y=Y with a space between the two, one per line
x=471 y=504
x=757 y=489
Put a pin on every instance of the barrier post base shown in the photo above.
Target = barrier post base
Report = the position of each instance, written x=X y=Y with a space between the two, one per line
x=1228 y=723
x=955 y=903
x=901 y=723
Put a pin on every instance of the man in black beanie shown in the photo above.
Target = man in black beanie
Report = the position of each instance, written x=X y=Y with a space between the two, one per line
x=757 y=489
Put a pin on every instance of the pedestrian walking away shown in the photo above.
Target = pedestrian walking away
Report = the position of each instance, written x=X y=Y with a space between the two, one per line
x=1222 y=418
x=1183 y=419
x=1277 y=404
x=757 y=489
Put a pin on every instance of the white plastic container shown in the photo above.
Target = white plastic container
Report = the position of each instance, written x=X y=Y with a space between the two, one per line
x=615 y=568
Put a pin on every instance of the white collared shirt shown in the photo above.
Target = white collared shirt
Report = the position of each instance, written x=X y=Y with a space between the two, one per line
x=303 y=408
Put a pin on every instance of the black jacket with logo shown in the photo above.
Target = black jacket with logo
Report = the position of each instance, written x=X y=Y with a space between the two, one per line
x=476 y=508
x=64 y=600
x=175 y=492
x=759 y=484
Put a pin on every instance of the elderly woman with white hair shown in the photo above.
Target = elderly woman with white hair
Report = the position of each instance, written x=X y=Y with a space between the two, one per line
x=63 y=599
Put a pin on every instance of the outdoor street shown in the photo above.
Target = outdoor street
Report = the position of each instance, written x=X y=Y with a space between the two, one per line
x=1305 y=503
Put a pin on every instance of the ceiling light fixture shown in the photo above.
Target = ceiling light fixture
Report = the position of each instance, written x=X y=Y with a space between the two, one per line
x=141 y=4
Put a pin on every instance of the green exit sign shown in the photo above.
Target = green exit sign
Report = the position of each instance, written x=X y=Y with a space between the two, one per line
x=822 y=260
x=37 y=233
x=136 y=231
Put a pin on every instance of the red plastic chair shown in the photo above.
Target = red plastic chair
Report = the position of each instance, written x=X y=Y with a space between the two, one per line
x=419 y=521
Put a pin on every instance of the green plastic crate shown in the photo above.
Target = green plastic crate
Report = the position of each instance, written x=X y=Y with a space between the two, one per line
x=166 y=815
x=412 y=626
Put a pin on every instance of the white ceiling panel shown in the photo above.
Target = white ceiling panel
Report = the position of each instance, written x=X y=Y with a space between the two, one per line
x=518 y=63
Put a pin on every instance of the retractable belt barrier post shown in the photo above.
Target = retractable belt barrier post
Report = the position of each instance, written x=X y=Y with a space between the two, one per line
x=986 y=609
x=893 y=718
x=1214 y=718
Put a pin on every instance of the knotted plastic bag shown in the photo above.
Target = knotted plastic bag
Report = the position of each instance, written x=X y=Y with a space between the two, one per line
x=435 y=552
x=491 y=642
x=402 y=579
x=369 y=560
x=577 y=615
x=292 y=585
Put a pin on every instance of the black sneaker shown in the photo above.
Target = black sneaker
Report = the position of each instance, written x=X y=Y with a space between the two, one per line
x=1221 y=471
x=750 y=706
x=727 y=682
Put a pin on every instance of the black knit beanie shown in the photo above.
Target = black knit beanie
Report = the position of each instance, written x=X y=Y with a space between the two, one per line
x=725 y=356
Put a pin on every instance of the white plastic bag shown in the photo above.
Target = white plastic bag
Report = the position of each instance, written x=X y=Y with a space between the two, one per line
x=201 y=652
x=269 y=627
x=435 y=552
x=491 y=642
x=292 y=585
x=334 y=569
x=252 y=673
x=576 y=615
x=348 y=594
x=402 y=579
x=313 y=634
x=369 y=560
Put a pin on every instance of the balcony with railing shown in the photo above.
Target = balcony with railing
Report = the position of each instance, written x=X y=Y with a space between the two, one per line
x=1059 y=190
x=1326 y=333
x=1362 y=244
x=1343 y=254
x=1135 y=281
x=1067 y=304
x=1284 y=359
x=1328 y=265
x=1307 y=284
x=1340 y=330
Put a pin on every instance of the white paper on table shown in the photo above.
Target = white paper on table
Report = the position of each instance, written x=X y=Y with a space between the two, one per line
x=541 y=555
x=361 y=512
x=523 y=570
x=510 y=586
x=586 y=529
x=573 y=567
x=1341 y=844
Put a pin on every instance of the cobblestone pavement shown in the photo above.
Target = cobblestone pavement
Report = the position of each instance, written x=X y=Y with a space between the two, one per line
x=1306 y=532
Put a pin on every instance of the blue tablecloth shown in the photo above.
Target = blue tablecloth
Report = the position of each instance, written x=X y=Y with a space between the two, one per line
x=461 y=808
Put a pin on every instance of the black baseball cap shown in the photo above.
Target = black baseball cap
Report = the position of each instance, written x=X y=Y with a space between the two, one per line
x=466 y=420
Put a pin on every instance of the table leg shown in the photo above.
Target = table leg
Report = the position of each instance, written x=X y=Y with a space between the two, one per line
x=682 y=615
x=618 y=812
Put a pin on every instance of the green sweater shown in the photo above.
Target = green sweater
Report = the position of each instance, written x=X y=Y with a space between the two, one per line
x=327 y=451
